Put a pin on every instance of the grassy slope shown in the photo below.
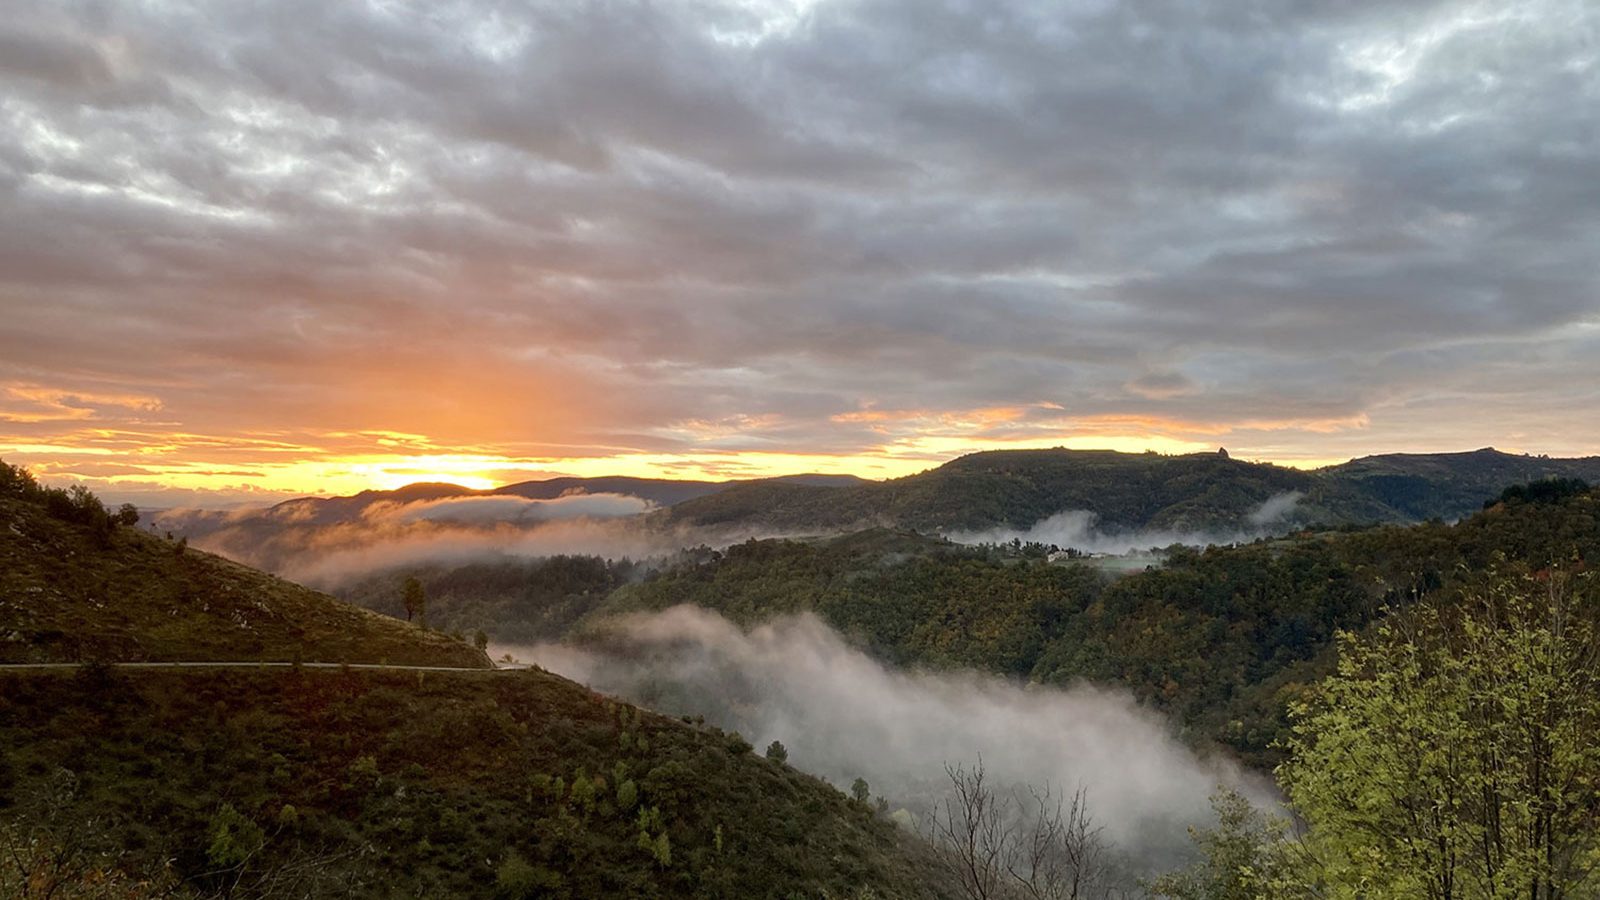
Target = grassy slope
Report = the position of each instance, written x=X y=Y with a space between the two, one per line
x=423 y=786
x=65 y=595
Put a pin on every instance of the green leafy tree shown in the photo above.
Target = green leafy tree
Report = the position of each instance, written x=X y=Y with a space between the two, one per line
x=1243 y=857
x=860 y=790
x=1453 y=755
x=416 y=600
x=777 y=752
x=480 y=640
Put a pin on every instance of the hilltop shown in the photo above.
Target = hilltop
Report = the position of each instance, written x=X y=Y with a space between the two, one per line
x=1448 y=485
x=1196 y=493
x=1018 y=488
x=75 y=586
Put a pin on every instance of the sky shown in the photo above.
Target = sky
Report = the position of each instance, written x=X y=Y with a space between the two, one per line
x=255 y=250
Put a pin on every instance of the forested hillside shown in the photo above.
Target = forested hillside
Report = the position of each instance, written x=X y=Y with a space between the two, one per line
x=1017 y=488
x=1197 y=493
x=1222 y=638
x=1447 y=485
x=362 y=784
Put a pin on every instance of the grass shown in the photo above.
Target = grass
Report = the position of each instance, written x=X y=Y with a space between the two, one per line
x=70 y=593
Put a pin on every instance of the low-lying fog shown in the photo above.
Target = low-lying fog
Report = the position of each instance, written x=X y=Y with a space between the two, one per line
x=302 y=544
x=842 y=715
x=1078 y=529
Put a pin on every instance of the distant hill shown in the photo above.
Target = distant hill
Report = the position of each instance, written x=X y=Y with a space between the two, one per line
x=1017 y=488
x=1449 y=485
x=1198 y=492
x=72 y=588
x=1190 y=496
x=311 y=511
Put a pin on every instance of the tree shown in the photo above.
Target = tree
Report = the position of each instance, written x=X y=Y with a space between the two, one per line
x=416 y=600
x=127 y=515
x=1453 y=755
x=860 y=790
x=996 y=845
x=480 y=640
x=777 y=752
x=517 y=878
x=1242 y=858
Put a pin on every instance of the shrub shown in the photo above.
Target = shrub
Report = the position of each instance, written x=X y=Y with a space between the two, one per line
x=517 y=878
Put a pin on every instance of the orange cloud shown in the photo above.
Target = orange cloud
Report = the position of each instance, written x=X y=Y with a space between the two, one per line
x=33 y=403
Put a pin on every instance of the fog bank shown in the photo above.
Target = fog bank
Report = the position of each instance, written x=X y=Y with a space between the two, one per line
x=1076 y=528
x=842 y=714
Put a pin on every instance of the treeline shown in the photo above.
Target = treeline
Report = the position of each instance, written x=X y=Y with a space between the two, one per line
x=77 y=504
x=516 y=601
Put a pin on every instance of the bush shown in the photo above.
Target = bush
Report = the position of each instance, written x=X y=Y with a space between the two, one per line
x=517 y=878
x=234 y=838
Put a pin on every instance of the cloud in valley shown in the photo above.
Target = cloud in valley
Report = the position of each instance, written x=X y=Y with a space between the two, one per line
x=473 y=510
x=1078 y=529
x=842 y=715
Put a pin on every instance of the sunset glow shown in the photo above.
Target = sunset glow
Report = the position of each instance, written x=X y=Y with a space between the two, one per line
x=845 y=238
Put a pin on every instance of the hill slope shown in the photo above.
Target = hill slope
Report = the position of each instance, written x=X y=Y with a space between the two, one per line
x=1017 y=488
x=66 y=596
x=1197 y=492
x=1220 y=639
x=511 y=784
x=1448 y=485
x=298 y=782
x=70 y=590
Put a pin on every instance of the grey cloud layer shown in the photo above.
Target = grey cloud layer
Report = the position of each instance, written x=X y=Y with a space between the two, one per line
x=1217 y=212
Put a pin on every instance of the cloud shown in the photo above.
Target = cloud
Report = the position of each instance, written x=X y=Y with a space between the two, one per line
x=569 y=232
x=842 y=715
x=479 y=510
x=1077 y=529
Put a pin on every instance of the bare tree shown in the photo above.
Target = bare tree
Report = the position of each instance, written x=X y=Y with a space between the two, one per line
x=999 y=846
x=1060 y=855
x=973 y=830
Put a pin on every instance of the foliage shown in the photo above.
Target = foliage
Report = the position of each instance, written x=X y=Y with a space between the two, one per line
x=1453 y=755
x=510 y=600
x=1223 y=639
x=234 y=838
x=1244 y=856
x=403 y=787
x=415 y=600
